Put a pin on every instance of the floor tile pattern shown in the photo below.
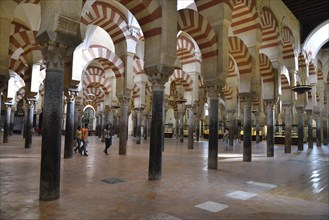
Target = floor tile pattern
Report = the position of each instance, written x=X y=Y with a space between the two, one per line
x=301 y=180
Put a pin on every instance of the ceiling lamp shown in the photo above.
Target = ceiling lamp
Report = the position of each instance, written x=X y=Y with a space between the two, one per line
x=302 y=84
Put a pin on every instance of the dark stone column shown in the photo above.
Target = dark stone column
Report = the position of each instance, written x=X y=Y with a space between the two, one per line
x=190 y=128
x=257 y=128
x=69 y=128
x=181 y=127
x=123 y=126
x=139 y=125
x=202 y=128
x=29 y=122
x=287 y=147
x=213 y=128
x=247 y=130
x=145 y=126
x=300 y=111
x=100 y=126
x=231 y=128
x=7 y=124
x=177 y=124
x=198 y=128
x=309 y=129
x=325 y=130
x=134 y=118
x=12 y=116
x=270 y=128
x=51 y=130
x=318 y=129
x=155 y=161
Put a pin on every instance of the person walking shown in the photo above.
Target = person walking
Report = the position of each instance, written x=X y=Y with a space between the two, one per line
x=78 y=136
x=108 y=138
x=84 y=137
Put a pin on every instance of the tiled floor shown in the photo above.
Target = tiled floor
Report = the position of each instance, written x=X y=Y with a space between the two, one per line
x=116 y=187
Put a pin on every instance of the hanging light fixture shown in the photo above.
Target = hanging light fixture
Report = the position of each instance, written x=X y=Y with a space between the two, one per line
x=302 y=84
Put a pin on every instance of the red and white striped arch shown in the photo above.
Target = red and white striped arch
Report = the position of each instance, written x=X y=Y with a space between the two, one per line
x=288 y=44
x=228 y=92
x=241 y=55
x=97 y=81
x=185 y=50
x=25 y=40
x=244 y=16
x=95 y=70
x=101 y=52
x=203 y=5
x=27 y=1
x=138 y=66
x=285 y=83
x=136 y=91
x=195 y=25
x=19 y=66
x=94 y=94
x=320 y=73
x=17 y=26
x=231 y=67
x=147 y=13
x=183 y=78
x=109 y=18
x=20 y=94
x=311 y=69
x=266 y=69
x=270 y=30
x=302 y=59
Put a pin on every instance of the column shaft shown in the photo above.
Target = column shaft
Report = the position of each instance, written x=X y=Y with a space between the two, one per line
x=287 y=147
x=257 y=130
x=300 y=129
x=123 y=128
x=7 y=125
x=145 y=127
x=29 y=124
x=309 y=129
x=51 y=136
x=318 y=129
x=69 y=128
x=270 y=130
x=190 y=129
x=198 y=128
x=325 y=131
x=139 y=127
x=231 y=129
x=247 y=132
x=155 y=160
x=181 y=127
x=213 y=133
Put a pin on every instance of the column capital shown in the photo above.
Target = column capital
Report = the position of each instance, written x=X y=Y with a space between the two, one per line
x=158 y=75
x=213 y=91
x=55 y=54
x=70 y=96
x=30 y=103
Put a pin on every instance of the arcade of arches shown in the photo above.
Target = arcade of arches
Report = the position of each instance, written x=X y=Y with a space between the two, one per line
x=160 y=69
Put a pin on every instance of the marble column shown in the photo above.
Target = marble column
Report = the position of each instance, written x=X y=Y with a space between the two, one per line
x=11 y=126
x=300 y=111
x=51 y=122
x=177 y=125
x=198 y=128
x=181 y=127
x=29 y=122
x=257 y=128
x=139 y=125
x=69 y=127
x=155 y=160
x=325 y=130
x=231 y=128
x=190 y=128
x=270 y=128
x=247 y=130
x=309 y=129
x=318 y=128
x=202 y=128
x=134 y=118
x=100 y=119
x=288 y=122
x=7 y=124
x=123 y=126
x=213 y=128
x=145 y=126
